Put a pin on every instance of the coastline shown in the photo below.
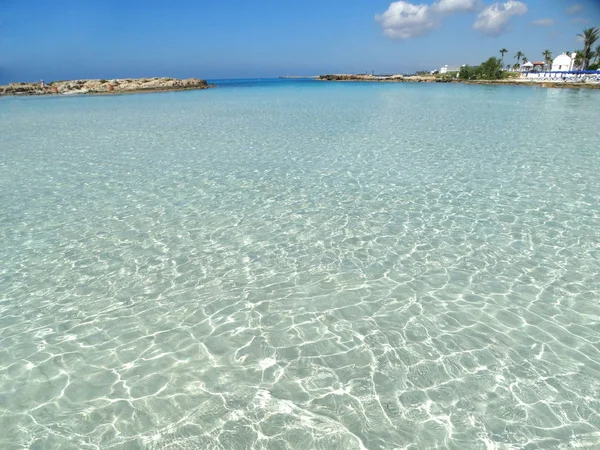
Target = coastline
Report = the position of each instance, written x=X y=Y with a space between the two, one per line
x=298 y=77
x=543 y=84
x=103 y=87
x=432 y=79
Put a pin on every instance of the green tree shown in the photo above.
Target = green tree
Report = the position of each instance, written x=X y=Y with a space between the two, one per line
x=490 y=70
x=598 y=55
x=519 y=55
x=579 y=59
x=525 y=59
x=502 y=52
x=590 y=36
x=468 y=73
x=547 y=57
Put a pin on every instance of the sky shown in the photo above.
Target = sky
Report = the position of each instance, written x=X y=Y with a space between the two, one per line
x=73 y=39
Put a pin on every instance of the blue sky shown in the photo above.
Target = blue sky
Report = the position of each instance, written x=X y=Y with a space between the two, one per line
x=64 y=39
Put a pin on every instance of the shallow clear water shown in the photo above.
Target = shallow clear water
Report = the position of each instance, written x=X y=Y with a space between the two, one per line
x=301 y=265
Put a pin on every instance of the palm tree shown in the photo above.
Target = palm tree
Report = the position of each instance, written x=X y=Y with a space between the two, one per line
x=502 y=52
x=508 y=67
x=547 y=57
x=598 y=54
x=525 y=59
x=590 y=36
x=519 y=55
x=516 y=66
x=579 y=59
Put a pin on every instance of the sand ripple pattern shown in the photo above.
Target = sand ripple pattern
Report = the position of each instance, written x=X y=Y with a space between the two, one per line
x=301 y=266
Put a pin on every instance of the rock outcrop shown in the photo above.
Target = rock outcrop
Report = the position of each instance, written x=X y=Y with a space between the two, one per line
x=387 y=78
x=115 y=86
x=355 y=77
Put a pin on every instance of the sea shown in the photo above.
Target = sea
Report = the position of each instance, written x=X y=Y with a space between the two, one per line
x=296 y=264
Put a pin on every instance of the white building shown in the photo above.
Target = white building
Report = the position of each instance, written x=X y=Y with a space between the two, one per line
x=446 y=69
x=527 y=67
x=563 y=63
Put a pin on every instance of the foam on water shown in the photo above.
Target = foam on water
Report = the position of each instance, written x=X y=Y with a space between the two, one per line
x=301 y=265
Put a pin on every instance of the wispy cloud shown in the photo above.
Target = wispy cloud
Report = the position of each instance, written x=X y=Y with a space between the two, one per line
x=404 y=20
x=543 y=22
x=494 y=19
x=574 y=9
x=579 y=20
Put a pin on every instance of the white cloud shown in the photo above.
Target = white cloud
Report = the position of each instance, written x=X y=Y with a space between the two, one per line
x=574 y=9
x=544 y=22
x=403 y=20
x=494 y=19
x=451 y=6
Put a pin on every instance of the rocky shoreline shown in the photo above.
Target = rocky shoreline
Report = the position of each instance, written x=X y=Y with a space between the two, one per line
x=372 y=78
x=544 y=84
x=114 y=86
x=432 y=79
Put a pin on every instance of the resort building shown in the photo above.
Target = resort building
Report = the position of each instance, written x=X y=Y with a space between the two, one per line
x=564 y=63
x=533 y=66
x=563 y=68
x=446 y=69
x=527 y=67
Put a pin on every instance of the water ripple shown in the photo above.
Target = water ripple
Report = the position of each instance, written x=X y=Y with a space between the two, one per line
x=301 y=267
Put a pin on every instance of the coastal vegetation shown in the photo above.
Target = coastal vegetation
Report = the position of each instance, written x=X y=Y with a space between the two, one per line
x=502 y=52
x=589 y=36
x=519 y=55
x=579 y=60
x=547 y=54
x=448 y=76
x=488 y=70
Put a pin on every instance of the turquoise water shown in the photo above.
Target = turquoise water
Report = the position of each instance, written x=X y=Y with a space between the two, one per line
x=301 y=265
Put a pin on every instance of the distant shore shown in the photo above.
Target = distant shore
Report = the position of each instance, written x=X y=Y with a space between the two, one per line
x=299 y=77
x=433 y=79
x=113 y=86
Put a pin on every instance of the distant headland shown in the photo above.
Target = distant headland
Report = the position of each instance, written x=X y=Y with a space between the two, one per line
x=114 y=86
x=443 y=79
x=299 y=77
